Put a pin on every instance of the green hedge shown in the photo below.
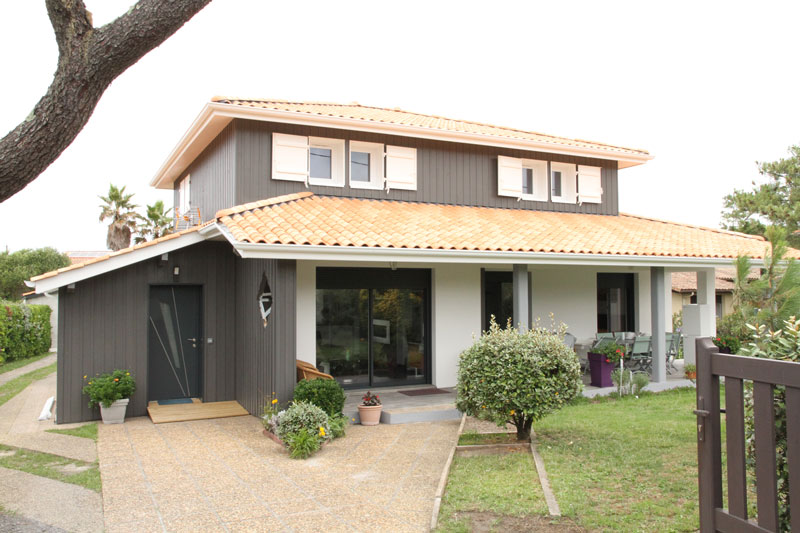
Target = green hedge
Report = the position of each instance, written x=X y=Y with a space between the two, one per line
x=24 y=330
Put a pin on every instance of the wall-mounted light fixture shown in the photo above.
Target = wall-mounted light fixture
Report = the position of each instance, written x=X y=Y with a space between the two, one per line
x=393 y=265
x=176 y=271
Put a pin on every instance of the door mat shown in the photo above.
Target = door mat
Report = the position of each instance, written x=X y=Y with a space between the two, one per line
x=424 y=392
x=175 y=401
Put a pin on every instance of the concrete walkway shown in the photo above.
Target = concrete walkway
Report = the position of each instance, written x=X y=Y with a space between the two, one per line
x=41 y=363
x=225 y=475
x=62 y=505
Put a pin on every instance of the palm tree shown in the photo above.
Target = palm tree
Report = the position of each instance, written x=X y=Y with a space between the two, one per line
x=120 y=210
x=156 y=223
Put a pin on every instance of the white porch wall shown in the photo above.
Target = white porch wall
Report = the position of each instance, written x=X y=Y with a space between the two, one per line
x=456 y=317
x=570 y=294
x=306 y=310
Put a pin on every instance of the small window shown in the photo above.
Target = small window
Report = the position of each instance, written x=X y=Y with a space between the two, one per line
x=264 y=299
x=359 y=166
x=563 y=186
x=366 y=165
x=555 y=184
x=527 y=180
x=320 y=163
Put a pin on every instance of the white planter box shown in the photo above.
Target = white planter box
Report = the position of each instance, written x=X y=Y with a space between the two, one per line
x=115 y=414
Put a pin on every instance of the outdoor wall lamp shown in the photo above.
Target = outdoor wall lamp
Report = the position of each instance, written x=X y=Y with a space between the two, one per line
x=176 y=271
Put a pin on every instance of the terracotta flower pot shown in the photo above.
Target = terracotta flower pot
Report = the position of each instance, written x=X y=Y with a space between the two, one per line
x=691 y=375
x=370 y=415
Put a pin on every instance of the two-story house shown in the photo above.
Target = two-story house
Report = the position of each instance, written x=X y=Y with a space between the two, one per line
x=375 y=244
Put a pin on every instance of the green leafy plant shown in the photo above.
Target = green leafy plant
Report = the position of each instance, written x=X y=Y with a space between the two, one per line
x=508 y=376
x=783 y=344
x=301 y=415
x=24 y=330
x=338 y=425
x=326 y=394
x=613 y=352
x=727 y=341
x=689 y=368
x=629 y=383
x=370 y=400
x=302 y=444
x=105 y=389
x=640 y=381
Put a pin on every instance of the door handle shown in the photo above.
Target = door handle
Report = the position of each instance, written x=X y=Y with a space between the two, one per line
x=193 y=340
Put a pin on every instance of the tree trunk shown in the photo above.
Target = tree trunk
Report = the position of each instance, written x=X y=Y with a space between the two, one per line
x=523 y=428
x=89 y=60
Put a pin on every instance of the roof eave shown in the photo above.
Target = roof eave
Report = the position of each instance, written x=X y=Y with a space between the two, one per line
x=414 y=255
x=215 y=116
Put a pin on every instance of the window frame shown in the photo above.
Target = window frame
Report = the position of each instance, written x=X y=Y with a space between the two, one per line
x=539 y=170
x=568 y=171
x=336 y=146
x=376 y=164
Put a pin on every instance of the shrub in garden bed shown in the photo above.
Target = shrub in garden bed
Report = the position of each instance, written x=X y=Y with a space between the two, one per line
x=24 y=330
x=326 y=394
x=515 y=377
x=302 y=427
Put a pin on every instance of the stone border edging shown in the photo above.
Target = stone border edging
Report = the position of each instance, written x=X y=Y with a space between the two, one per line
x=437 y=501
x=549 y=497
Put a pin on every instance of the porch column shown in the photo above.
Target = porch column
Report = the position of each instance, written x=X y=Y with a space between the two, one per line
x=707 y=295
x=521 y=303
x=658 y=310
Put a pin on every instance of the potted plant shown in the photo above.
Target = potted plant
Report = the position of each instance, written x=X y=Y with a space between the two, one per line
x=369 y=410
x=112 y=393
x=727 y=344
x=602 y=361
x=691 y=371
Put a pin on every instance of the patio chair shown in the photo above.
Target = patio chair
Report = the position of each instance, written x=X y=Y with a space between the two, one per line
x=603 y=338
x=673 y=341
x=641 y=354
x=569 y=340
x=309 y=371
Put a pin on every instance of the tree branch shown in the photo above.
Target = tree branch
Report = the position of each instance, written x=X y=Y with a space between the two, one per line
x=89 y=60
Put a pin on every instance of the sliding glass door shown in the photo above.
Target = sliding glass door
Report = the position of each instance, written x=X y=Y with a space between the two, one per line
x=372 y=326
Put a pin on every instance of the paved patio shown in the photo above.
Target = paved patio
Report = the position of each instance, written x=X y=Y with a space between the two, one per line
x=224 y=475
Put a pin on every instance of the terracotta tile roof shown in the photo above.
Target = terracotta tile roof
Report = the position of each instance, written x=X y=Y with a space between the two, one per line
x=109 y=255
x=687 y=282
x=83 y=256
x=418 y=120
x=306 y=219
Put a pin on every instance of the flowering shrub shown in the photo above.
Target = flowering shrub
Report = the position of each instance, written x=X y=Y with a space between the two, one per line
x=370 y=400
x=24 y=330
x=613 y=352
x=105 y=389
x=300 y=415
x=727 y=341
x=784 y=345
x=511 y=377
x=326 y=394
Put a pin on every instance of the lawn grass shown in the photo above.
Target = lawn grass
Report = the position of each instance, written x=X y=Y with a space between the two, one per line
x=17 y=385
x=51 y=466
x=8 y=366
x=625 y=464
x=504 y=484
x=88 y=431
x=472 y=438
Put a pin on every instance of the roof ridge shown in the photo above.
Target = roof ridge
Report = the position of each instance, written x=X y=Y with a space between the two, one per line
x=695 y=226
x=230 y=100
x=262 y=203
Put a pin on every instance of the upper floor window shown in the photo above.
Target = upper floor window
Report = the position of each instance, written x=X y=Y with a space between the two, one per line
x=366 y=165
x=562 y=182
x=321 y=161
x=184 y=189
x=525 y=179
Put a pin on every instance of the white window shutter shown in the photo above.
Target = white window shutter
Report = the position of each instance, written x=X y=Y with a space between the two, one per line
x=590 y=188
x=509 y=176
x=289 y=157
x=401 y=168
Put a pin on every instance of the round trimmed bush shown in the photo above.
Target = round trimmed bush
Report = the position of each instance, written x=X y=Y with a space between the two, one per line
x=299 y=416
x=511 y=377
x=326 y=394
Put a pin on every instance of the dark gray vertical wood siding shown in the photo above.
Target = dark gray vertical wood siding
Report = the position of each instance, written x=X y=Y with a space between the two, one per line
x=265 y=356
x=103 y=326
x=212 y=185
x=448 y=173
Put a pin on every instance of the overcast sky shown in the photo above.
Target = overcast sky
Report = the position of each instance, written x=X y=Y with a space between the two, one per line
x=707 y=87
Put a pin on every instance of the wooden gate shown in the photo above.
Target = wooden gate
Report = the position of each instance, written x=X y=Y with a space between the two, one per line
x=765 y=374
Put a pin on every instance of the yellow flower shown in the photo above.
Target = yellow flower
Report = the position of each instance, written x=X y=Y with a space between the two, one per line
x=512 y=412
x=84 y=377
x=353 y=419
x=127 y=373
x=483 y=407
x=321 y=431
x=274 y=401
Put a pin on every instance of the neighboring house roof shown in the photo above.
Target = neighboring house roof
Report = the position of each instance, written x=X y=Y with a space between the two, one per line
x=83 y=256
x=304 y=223
x=218 y=113
x=307 y=219
x=725 y=277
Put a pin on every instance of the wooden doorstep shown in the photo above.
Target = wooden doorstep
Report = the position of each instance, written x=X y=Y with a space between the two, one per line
x=197 y=410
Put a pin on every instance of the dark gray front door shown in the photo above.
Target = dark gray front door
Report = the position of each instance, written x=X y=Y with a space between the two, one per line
x=175 y=342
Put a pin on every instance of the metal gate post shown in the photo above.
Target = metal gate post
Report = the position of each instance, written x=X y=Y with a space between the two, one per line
x=709 y=447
